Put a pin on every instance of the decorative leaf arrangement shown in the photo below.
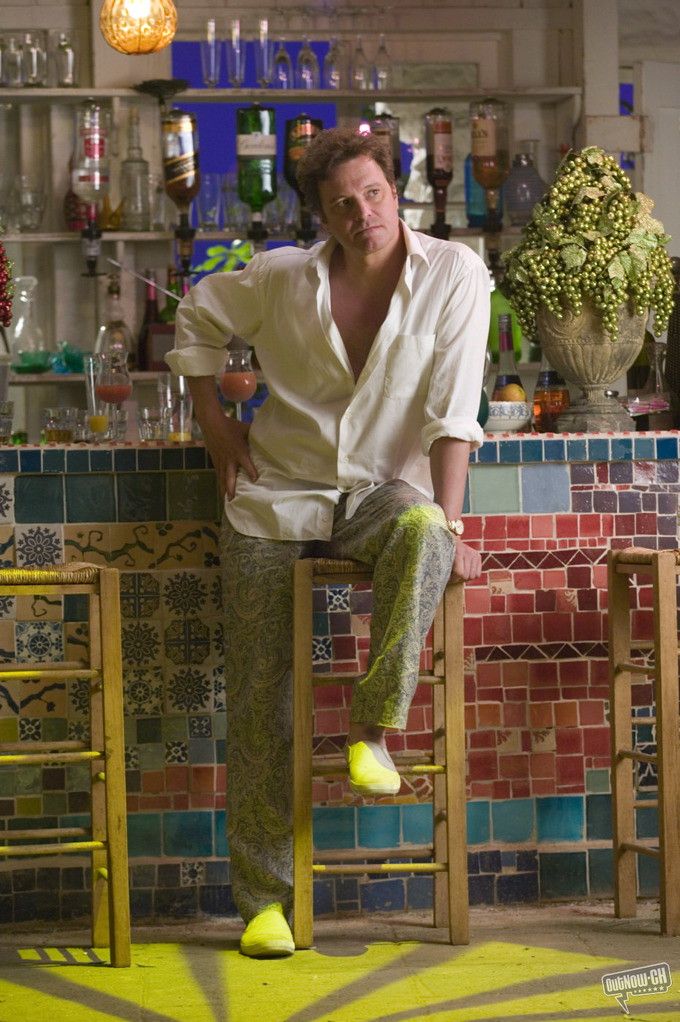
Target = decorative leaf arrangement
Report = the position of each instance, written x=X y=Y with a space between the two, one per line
x=591 y=238
x=225 y=257
x=6 y=288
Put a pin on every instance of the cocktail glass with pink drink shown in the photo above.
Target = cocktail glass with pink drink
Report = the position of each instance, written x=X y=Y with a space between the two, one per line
x=113 y=386
x=238 y=381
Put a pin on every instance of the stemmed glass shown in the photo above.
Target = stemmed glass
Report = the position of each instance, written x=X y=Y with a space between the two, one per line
x=236 y=54
x=333 y=66
x=211 y=49
x=113 y=386
x=360 y=71
x=382 y=66
x=306 y=67
x=263 y=54
x=238 y=381
x=283 y=67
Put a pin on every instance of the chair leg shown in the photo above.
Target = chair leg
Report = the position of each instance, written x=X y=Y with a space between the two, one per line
x=303 y=710
x=668 y=748
x=440 y=816
x=116 y=817
x=456 y=813
x=101 y=918
x=623 y=813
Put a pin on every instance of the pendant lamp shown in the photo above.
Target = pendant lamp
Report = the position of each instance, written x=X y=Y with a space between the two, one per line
x=138 y=26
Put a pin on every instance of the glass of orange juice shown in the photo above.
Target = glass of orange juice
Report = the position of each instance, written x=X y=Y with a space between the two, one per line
x=97 y=412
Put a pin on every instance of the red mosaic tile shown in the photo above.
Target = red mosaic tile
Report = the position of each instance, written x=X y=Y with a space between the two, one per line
x=482 y=740
x=543 y=786
x=545 y=599
x=474 y=525
x=624 y=525
x=488 y=675
x=472 y=631
x=520 y=789
x=497 y=630
x=158 y=803
x=579 y=577
x=642 y=624
x=546 y=694
x=566 y=714
x=645 y=524
x=470 y=717
x=541 y=715
x=543 y=673
x=526 y=628
x=202 y=778
x=566 y=525
x=542 y=764
x=527 y=579
x=565 y=601
x=543 y=526
x=327 y=722
x=557 y=627
x=500 y=789
x=513 y=765
x=497 y=603
x=328 y=695
x=422 y=695
x=589 y=525
x=344 y=647
x=521 y=603
x=568 y=740
x=518 y=527
x=416 y=719
x=132 y=803
x=596 y=741
x=153 y=781
x=176 y=778
x=482 y=764
x=589 y=625
x=569 y=770
x=477 y=600
x=201 y=800
x=587 y=599
x=489 y=714
x=180 y=801
x=554 y=578
x=515 y=672
x=514 y=714
x=418 y=742
x=481 y=789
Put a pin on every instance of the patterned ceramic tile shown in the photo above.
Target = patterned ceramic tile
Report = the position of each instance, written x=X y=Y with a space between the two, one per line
x=7 y=606
x=6 y=498
x=219 y=689
x=76 y=640
x=131 y=757
x=322 y=649
x=191 y=874
x=37 y=545
x=338 y=597
x=87 y=543
x=39 y=641
x=30 y=729
x=139 y=594
x=7 y=546
x=40 y=698
x=143 y=691
x=189 y=690
x=184 y=593
x=187 y=641
x=141 y=642
x=176 y=752
x=131 y=546
x=79 y=698
x=41 y=608
x=200 y=727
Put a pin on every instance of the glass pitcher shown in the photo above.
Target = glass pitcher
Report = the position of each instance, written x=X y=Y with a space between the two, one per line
x=26 y=334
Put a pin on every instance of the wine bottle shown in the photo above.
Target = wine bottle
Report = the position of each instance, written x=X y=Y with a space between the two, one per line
x=134 y=181
x=114 y=333
x=439 y=163
x=151 y=316
x=508 y=385
x=256 y=159
x=299 y=133
x=167 y=313
x=386 y=127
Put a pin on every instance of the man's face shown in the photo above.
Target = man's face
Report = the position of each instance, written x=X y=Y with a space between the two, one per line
x=359 y=207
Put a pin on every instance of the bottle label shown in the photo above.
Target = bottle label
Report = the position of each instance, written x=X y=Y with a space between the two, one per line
x=256 y=144
x=179 y=168
x=442 y=148
x=300 y=135
x=483 y=136
x=94 y=145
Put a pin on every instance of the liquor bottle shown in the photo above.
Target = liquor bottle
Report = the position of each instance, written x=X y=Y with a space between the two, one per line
x=75 y=210
x=256 y=159
x=114 y=333
x=508 y=385
x=439 y=164
x=386 y=127
x=551 y=398
x=181 y=174
x=299 y=133
x=524 y=186
x=167 y=313
x=134 y=181
x=90 y=175
x=490 y=157
x=151 y=316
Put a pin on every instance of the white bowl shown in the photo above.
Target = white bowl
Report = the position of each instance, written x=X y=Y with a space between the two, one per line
x=507 y=416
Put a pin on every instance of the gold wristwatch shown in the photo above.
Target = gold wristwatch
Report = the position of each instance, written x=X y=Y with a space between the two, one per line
x=455 y=526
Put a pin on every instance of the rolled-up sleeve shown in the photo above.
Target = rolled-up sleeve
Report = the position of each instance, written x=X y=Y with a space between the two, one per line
x=215 y=309
x=453 y=397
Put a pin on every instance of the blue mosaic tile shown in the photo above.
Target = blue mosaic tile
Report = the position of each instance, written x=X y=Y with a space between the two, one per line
x=488 y=452
x=53 y=460
x=513 y=820
x=648 y=876
x=194 y=457
x=667 y=447
x=554 y=450
x=172 y=458
x=144 y=834
x=334 y=827
x=38 y=498
x=563 y=875
x=622 y=448
x=192 y=496
x=124 y=459
x=101 y=460
x=383 y=896
x=323 y=895
x=560 y=818
x=598 y=817
x=600 y=872
x=478 y=825
x=416 y=824
x=9 y=461
x=188 y=833
x=90 y=498
x=30 y=461
x=509 y=451
x=598 y=450
x=644 y=448
x=378 y=826
x=419 y=892
x=481 y=890
x=545 y=488
x=148 y=459
x=532 y=450
x=76 y=461
x=221 y=839
x=514 y=888
x=141 y=497
x=490 y=861
x=577 y=450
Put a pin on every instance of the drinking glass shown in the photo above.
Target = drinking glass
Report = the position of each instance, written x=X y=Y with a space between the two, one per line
x=211 y=54
x=283 y=68
x=306 y=67
x=382 y=66
x=238 y=381
x=175 y=401
x=97 y=412
x=65 y=60
x=334 y=68
x=35 y=58
x=210 y=202
x=264 y=54
x=58 y=425
x=236 y=54
x=13 y=66
x=153 y=423
x=6 y=420
x=113 y=386
x=30 y=202
x=359 y=71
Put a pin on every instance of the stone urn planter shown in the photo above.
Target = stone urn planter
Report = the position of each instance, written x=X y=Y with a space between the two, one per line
x=579 y=348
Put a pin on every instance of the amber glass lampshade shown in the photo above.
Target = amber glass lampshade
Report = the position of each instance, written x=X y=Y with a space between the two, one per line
x=138 y=26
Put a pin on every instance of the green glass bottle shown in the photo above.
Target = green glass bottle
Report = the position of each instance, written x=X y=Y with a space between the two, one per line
x=300 y=131
x=167 y=313
x=256 y=159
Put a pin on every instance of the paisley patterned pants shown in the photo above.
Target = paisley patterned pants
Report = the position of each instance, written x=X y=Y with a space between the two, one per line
x=404 y=538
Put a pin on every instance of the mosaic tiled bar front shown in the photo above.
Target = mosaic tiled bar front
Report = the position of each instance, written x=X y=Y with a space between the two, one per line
x=543 y=510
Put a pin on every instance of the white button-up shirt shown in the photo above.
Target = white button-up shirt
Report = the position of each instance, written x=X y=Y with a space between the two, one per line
x=320 y=434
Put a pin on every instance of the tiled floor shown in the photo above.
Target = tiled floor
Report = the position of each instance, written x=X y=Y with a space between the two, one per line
x=540 y=964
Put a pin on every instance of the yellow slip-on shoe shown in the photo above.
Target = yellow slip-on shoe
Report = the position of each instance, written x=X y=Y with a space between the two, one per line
x=371 y=770
x=268 y=935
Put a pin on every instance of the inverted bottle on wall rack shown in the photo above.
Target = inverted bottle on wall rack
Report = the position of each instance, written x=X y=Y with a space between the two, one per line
x=256 y=159
x=134 y=181
x=299 y=133
x=90 y=174
x=181 y=174
x=439 y=163
x=386 y=127
x=508 y=385
x=490 y=155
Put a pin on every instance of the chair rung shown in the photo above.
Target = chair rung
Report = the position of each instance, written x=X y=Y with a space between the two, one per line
x=351 y=678
x=337 y=767
x=58 y=672
x=637 y=757
x=72 y=746
x=68 y=847
x=652 y=803
x=630 y=667
x=27 y=835
x=51 y=757
x=382 y=867
x=362 y=854
x=634 y=846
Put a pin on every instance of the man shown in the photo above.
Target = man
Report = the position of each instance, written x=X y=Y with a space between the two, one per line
x=372 y=348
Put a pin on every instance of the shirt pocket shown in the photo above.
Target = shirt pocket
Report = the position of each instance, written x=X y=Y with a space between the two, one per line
x=408 y=365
